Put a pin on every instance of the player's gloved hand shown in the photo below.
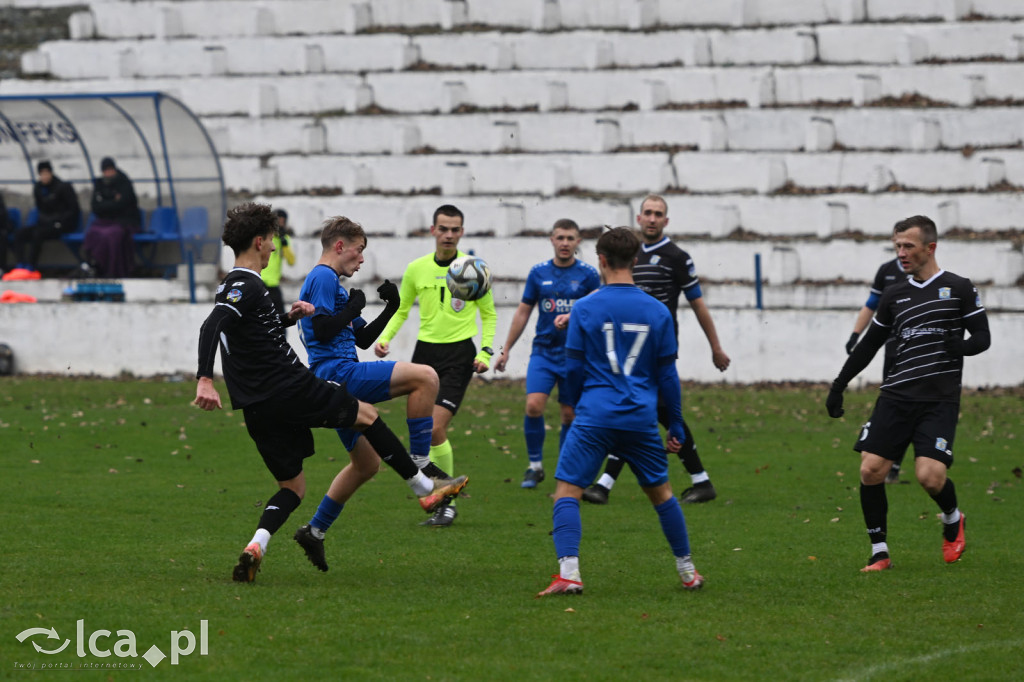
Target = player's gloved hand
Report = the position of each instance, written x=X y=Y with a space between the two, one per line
x=953 y=343
x=852 y=342
x=676 y=430
x=356 y=300
x=834 y=401
x=389 y=292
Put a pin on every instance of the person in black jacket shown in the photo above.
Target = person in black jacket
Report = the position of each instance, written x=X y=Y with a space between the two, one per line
x=108 y=243
x=59 y=214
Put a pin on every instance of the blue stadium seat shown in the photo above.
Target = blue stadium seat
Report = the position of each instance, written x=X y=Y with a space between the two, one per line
x=162 y=227
x=194 y=227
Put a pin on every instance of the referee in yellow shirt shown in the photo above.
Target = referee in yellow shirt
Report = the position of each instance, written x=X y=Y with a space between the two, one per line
x=445 y=340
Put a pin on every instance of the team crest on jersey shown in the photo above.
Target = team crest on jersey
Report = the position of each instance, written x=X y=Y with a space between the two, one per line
x=235 y=295
x=940 y=443
x=458 y=304
x=655 y=260
x=944 y=292
x=220 y=287
x=692 y=270
x=977 y=300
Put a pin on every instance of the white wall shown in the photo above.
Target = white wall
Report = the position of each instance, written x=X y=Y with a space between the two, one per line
x=776 y=345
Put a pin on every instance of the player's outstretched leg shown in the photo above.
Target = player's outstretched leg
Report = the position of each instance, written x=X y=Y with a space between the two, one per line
x=279 y=507
x=673 y=526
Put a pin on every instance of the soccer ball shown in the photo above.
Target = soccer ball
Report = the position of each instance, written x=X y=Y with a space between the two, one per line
x=468 y=278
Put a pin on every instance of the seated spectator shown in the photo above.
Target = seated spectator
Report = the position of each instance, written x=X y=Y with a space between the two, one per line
x=59 y=214
x=108 y=246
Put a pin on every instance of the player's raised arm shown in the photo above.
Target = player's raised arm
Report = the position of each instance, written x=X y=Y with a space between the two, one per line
x=366 y=335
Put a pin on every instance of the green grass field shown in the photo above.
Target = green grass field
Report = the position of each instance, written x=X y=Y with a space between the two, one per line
x=126 y=508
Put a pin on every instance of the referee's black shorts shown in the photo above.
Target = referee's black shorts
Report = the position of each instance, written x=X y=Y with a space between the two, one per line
x=453 y=363
x=280 y=426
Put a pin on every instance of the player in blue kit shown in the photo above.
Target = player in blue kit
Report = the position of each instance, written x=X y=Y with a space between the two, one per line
x=665 y=271
x=331 y=335
x=620 y=358
x=553 y=286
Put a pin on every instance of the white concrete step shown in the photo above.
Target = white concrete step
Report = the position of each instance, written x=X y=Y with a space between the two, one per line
x=797 y=129
x=959 y=84
x=495 y=51
x=628 y=172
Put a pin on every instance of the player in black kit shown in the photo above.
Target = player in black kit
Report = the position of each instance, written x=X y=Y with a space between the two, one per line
x=889 y=272
x=279 y=397
x=664 y=270
x=919 y=400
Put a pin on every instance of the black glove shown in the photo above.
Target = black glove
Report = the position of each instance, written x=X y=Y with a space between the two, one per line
x=356 y=301
x=389 y=292
x=953 y=343
x=834 y=401
x=852 y=342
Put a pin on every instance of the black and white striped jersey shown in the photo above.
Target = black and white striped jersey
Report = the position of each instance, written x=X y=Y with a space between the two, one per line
x=919 y=314
x=663 y=270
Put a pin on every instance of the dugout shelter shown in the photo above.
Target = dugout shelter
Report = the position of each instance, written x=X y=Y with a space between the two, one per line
x=154 y=138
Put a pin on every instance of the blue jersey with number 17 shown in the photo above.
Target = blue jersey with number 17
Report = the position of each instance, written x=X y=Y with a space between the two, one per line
x=624 y=335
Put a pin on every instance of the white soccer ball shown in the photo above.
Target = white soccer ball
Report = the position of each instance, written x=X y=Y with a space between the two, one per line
x=468 y=278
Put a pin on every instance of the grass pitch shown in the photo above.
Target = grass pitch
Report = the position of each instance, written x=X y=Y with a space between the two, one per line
x=125 y=508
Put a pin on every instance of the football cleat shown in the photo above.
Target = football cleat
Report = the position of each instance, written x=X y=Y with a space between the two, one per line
x=449 y=487
x=312 y=546
x=596 y=494
x=562 y=585
x=893 y=476
x=532 y=477
x=879 y=562
x=951 y=551
x=692 y=580
x=701 y=492
x=248 y=563
x=443 y=516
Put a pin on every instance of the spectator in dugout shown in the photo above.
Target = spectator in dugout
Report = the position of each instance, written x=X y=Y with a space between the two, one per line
x=59 y=214
x=108 y=248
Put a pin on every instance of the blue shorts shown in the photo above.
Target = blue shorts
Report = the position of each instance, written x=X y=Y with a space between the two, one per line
x=586 y=447
x=544 y=373
x=367 y=381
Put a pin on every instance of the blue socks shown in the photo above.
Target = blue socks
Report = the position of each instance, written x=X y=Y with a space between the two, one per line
x=569 y=528
x=419 y=435
x=326 y=513
x=533 y=430
x=673 y=525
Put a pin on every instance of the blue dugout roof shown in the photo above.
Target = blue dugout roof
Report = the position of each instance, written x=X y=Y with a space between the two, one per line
x=154 y=138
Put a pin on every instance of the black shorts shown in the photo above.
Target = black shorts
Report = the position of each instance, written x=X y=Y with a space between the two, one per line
x=453 y=363
x=895 y=424
x=280 y=426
